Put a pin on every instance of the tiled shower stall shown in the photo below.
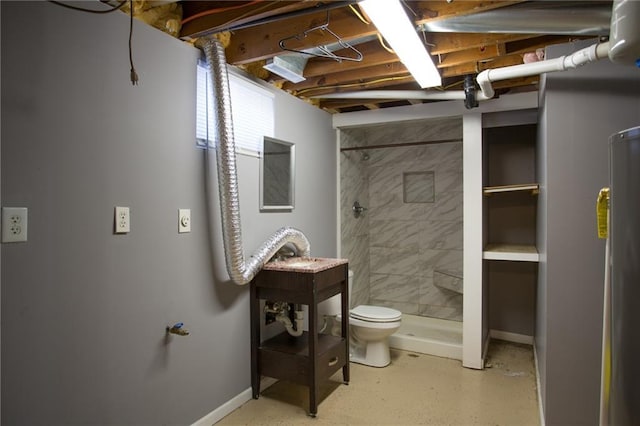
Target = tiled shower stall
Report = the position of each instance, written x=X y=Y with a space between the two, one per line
x=406 y=249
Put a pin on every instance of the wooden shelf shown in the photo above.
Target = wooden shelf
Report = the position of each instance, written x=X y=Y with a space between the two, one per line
x=533 y=187
x=513 y=252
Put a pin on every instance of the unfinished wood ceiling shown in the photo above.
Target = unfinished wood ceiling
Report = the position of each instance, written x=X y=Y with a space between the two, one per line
x=464 y=37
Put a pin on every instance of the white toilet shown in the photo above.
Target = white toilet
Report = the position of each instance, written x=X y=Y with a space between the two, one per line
x=370 y=328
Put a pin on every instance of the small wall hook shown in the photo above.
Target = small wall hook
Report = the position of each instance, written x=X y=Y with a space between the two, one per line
x=177 y=329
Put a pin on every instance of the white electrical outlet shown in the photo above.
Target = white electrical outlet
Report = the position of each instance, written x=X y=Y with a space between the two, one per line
x=14 y=224
x=122 y=220
x=184 y=220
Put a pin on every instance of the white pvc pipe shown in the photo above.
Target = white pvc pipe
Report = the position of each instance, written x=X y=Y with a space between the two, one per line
x=294 y=331
x=588 y=54
x=447 y=95
x=485 y=78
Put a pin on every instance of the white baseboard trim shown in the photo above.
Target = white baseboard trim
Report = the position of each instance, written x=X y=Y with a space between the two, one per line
x=539 y=388
x=233 y=404
x=511 y=337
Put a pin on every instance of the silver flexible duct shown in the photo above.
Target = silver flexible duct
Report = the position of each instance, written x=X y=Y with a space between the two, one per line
x=240 y=271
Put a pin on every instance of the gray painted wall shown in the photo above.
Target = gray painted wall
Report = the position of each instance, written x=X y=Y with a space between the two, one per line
x=579 y=110
x=83 y=310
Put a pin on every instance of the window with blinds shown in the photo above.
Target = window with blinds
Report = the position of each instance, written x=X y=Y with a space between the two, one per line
x=251 y=110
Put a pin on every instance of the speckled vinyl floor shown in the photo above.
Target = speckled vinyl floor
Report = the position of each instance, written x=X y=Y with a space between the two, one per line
x=416 y=389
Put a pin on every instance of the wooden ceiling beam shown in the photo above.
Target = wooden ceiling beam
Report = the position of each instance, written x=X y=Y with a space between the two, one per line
x=361 y=85
x=435 y=10
x=337 y=104
x=460 y=70
x=516 y=82
x=530 y=45
x=223 y=15
x=469 y=55
x=262 y=42
x=465 y=62
x=338 y=78
x=442 y=43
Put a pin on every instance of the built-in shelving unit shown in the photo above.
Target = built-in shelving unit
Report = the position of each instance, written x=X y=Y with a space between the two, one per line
x=510 y=204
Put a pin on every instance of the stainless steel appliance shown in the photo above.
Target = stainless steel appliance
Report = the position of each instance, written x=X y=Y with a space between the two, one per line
x=621 y=384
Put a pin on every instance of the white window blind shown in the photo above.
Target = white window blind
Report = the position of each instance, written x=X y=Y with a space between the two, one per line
x=251 y=109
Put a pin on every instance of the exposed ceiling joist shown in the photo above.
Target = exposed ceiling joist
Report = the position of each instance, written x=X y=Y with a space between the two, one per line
x=259 y=26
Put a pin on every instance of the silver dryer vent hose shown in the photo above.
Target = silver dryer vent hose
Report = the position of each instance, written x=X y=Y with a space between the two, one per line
x=240 y=271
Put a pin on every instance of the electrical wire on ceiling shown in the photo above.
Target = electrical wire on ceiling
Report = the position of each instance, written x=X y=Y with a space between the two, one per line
x=81 y=9
x=248 y=13
x=365 y=21
x=218 y=10
x=133 y=75
x=358 y=84
x=358 y=14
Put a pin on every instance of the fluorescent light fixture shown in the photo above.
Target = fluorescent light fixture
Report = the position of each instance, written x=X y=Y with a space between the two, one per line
x=391 y=20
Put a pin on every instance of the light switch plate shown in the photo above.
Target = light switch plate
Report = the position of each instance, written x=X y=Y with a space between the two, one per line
x=184 y=220
x=122 y=220
x=14 y=224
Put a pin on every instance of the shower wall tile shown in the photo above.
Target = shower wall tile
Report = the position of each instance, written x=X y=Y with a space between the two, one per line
x=431 y=294
x=406 y=308
x=395 y=248
x=354 y=185
x=360 y=287
x=394 y=288
x=442 y=312
x=441 y=235
x=416 y=131
x=410 y=240
x=447 y=157
x=350 y=138
x=450 y=280
x=448 y=207
x=396 y=261
x=448 y=181
x=401 y=212
x=394 y=233
x=352 y=226
x=385 y=186
x=356 y=249
x=441 y=259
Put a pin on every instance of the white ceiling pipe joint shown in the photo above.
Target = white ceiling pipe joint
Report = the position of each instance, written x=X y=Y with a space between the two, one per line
x=581 y=57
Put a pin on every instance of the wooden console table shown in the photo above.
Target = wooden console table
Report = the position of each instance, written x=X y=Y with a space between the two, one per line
x=311 y=358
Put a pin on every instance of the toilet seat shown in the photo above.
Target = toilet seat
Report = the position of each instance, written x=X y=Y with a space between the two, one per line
x=375 y=314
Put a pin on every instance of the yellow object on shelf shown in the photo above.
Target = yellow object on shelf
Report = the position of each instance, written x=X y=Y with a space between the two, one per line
x=602 y=213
